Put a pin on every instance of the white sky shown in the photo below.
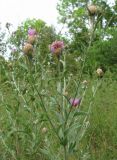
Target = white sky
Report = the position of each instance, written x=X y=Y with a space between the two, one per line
x=16 y=11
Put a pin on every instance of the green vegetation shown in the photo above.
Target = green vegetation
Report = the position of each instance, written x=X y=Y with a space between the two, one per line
x=22 y=123
x=58 y=96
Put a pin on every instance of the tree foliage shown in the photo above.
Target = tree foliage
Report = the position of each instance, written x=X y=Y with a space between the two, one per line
x=104 y=54
x=2 y=42
x=79 y=22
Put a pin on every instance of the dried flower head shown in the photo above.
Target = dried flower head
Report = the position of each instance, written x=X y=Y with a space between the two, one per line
x=57 y=47
x=44 y=130
x=31 y=39
x=99 y=72
x=92 y=9
x=28 y=49
x=85 y=82
x=75 y=102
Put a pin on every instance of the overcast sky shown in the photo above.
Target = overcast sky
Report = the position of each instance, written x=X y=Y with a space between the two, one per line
x=16 y=11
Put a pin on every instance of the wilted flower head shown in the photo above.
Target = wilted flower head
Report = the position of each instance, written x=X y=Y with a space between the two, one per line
x=31 y=39
x=57 y=47
x=31 y=32
x=85 y=82
x=28 y=48
x=92 y=9
x=99 y=72
x=75 y=101
x=44 y=130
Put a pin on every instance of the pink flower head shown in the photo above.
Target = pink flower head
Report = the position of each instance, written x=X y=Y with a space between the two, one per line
x=56 y=47
x=75 y=101
x=31 y=32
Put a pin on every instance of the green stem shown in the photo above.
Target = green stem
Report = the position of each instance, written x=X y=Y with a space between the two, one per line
x=44 y=109
x=64 y=81
x=59 y=79
x=90 y=104
x=81 y=72
x=65 y=153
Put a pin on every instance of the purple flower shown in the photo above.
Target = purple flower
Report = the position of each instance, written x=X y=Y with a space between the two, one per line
x=56 y=47
x=75 y=101
x=31 y=32
x=14 y=50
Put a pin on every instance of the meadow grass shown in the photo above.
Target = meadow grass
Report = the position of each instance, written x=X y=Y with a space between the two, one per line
x=22 y=120
x=101 y=138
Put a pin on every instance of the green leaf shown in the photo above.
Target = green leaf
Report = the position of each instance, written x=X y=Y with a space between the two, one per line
x=72 y=147
x=80 y=113
x=24 y=66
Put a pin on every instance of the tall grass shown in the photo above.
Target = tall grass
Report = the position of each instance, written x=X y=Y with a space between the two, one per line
x=38 y=122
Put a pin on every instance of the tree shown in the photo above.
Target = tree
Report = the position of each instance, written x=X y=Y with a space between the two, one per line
x=103 y=53
x=83 y=26
x=2 y=42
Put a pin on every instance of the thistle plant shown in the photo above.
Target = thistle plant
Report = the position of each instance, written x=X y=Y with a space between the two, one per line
x=53 y=121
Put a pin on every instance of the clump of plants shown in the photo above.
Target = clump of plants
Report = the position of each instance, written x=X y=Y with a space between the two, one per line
x=46 y=116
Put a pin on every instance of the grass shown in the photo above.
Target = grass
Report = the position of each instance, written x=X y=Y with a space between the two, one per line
x=101 y=137
x=21 y=136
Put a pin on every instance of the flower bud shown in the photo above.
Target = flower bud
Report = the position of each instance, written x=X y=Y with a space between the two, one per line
x=85 y=82
x=44 y=130
x=75 y=102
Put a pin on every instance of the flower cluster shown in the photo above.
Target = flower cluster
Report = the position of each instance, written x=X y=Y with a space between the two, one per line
x=28 y=47
x=32 y=35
